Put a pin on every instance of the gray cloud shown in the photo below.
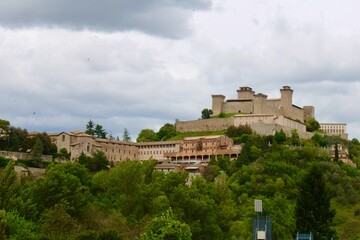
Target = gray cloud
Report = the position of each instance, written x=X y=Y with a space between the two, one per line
x=133 y=80
x=156 y=17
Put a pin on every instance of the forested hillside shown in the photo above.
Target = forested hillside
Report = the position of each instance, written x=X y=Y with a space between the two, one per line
x=133 y=201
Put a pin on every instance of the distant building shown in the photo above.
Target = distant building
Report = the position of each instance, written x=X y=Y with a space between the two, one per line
x=248 y=102
x=201 y=149
x=263 y=115
x=343 y=154
x=334 y=129
x=189 y=149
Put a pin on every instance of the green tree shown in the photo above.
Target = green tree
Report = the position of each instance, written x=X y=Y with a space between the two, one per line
x=336 y=158
x=294 y=138
x=4 y=226
x=312 y=125
x=100 y=131
x=167 y=131
x=97 y=162
x=90 y=128
x=147 y=135
x=17 y=140
x=20 y=228
x=313 y=212
x=166 y=227
x=63 y=154
x=237 y=133
x=49 y=148
x=9 y=187
x=36 y=152
x=58 y=224
x=59 y=186
x=206 y=113
x=280 y=137
x=126 y=136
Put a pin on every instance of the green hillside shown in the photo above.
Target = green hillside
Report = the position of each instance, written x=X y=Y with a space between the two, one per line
x=133 y=201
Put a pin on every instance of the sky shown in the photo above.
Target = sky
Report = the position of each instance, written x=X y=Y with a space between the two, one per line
x=141 y=64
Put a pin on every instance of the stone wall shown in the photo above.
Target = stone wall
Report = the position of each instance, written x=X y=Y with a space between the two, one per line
x=22 y=155
x=202 y=125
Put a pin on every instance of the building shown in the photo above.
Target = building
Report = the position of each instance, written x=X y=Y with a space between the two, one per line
x=187 y=150
x=201 y=149
x=78 y=142
x=334 y=129
x=265 y=116
x=157 y=150
x=343 y=154
x=248 y=102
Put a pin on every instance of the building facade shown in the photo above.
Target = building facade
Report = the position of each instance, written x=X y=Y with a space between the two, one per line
x=188 y=149
x=334 y=129
x=248 y=102
x=264 y=116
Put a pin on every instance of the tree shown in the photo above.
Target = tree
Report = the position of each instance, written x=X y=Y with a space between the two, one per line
x=62 y=186
x=126 y=135
x=206 y=113
x=167 y=131
x=63 y=154
x=312 y=125
x=336 y=158
x=9 y=186
x=90 y=128
x=294 y=139
x=280 y=137
x=166 y=227
x=96 y=162
x=36 y=152
x=147 y=135
x=100 y=131
x=313 y=212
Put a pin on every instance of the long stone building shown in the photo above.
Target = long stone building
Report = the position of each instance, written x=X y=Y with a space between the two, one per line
x=187 y=150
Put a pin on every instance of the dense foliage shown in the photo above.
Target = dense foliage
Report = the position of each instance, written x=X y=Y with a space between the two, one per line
x=87 y=200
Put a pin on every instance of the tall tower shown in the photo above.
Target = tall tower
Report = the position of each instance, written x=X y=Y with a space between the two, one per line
x=217 y=103
x=245 y=93
x=286 y=100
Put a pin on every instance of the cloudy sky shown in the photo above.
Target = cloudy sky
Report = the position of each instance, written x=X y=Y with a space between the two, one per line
x=141 y=64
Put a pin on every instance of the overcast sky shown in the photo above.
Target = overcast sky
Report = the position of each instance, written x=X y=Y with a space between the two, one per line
x=141 y=64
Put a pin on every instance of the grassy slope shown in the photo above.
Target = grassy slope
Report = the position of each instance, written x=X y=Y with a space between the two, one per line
x=348 y=224
x=180 y=136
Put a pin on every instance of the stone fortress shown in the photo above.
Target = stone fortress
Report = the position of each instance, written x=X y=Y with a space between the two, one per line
x=265 y=116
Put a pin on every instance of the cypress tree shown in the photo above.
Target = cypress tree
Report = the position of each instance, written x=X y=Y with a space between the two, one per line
x=313 y=212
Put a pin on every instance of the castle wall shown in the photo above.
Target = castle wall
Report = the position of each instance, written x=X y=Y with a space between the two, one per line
x=22 y=155
x=296 y=114
x=248 y=119
x=286 y=122
x=238 y=107
x=212 y=124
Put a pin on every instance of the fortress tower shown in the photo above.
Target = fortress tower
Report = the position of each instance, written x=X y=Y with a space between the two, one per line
x=245 y=93
x=286 y=100
x=217 y=103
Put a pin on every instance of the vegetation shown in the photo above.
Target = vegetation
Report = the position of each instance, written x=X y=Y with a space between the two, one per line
x=126 y=136
x=312 y=125
x=95 y=130
x=296 y=179
x=224 y=115
x=165 y=133
x=206 y=113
